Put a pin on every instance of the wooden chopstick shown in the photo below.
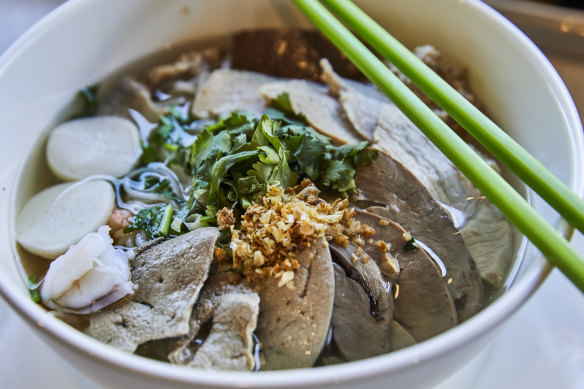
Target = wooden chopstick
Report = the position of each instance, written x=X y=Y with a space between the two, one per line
x=549 y=241
x=500 y=144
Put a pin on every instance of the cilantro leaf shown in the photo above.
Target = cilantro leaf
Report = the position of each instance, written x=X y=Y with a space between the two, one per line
x=153 y=221
x=235 y=157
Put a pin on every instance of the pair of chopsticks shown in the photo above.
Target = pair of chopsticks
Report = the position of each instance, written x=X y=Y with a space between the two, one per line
x=568 y=204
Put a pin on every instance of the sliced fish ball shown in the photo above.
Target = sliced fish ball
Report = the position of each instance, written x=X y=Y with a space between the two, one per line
x=61 y=215
x=97 y=145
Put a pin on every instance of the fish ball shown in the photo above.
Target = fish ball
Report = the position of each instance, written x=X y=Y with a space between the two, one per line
x=61 y=215
x=97 y=145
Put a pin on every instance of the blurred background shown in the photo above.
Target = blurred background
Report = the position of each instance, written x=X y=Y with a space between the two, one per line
x=542 y=346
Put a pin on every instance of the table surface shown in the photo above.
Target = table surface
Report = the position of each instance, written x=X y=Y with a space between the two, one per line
x=542 y=346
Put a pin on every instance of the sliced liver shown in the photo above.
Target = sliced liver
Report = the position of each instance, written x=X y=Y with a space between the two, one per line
x=423 y=303
x=293 y=323
x=388 y=183
x=168 y=277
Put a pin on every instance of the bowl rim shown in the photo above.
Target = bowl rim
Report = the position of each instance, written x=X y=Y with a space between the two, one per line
x=497 y=312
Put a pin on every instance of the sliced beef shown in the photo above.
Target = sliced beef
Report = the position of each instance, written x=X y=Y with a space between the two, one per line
x=293 y=323
x=386 y=182
x=129 y=94
x=187 y=66
x=423 y=303
x=322 y=111
x=228 y=90
x=222 y=327
x=168 y=277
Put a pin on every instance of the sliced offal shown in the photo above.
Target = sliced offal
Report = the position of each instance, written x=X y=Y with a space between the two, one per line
x=84 y=147
x=227 y=90
x=400 y=337
x=387 y=182
x=168 y=279
x=127 y=97
x=363 y=308
x=222 y=326
x=293 y=323
x=422 y=301
x=312 y=100
x=59 y=216
x=488 y=236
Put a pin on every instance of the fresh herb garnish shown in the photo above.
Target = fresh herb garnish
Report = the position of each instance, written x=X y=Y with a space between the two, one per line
x=234 y=158
x=87 y=102
x=33 y=289
x=155 y=184
x=411 y=245
x=154 y=221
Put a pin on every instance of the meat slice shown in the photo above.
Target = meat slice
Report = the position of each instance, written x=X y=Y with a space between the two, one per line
x=222 y=327
x=387 y=182
x=423 y=303
x=129 y=94
x=322 y=111
x=363 y=308
x=293 y=323
x=489 y=237
x=168 y=277
x=400 y=337
x=228 y=90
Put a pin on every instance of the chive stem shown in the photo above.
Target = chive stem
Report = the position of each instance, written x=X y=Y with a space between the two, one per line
x=166 y=220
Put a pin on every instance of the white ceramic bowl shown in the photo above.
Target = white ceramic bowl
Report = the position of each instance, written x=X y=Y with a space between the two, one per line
x=86 y=40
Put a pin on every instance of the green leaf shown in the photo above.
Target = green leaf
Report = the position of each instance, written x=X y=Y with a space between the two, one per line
x=365 y=158
x=350 y=150
x=282 y=103
x=149 y=221
x=250 y=185
x=209 y=147
x=87 y=102
x=219 y=171
x=310 y=156
x=339 y=175
x=33 y=289
x=269 y=155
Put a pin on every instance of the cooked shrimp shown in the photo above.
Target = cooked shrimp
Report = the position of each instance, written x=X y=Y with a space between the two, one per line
x=89 y=276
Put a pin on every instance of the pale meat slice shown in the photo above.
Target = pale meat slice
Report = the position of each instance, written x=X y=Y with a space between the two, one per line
x=293 y=323
x=187 y=66
x=126 y=96
x=168 y=277
x=227 y=90
x=408 y=203
x=222 y=326
x=423 y=303
x=362 y=111
x=360 y=102
x=321 y=111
